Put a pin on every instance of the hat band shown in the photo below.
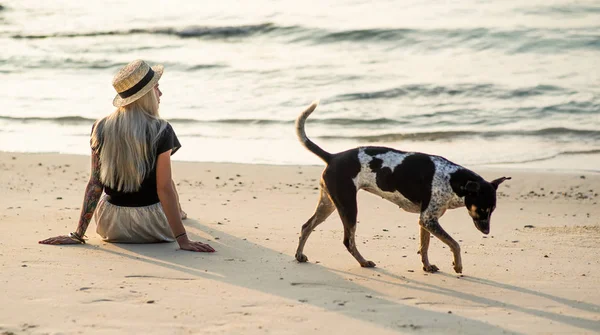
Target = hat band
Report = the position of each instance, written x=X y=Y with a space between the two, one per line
x=137 y=87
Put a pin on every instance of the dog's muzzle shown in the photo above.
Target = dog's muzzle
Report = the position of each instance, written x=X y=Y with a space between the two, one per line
x=483 y=226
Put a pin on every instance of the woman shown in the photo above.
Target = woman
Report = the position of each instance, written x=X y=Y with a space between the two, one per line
x=131 y=163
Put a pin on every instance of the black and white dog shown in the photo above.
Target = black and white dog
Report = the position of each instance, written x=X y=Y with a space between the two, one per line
x=416 y=182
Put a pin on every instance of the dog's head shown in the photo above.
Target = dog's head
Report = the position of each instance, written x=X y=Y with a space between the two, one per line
x=480 y=199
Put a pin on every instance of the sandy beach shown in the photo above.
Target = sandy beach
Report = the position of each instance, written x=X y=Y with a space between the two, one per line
x=538 y=272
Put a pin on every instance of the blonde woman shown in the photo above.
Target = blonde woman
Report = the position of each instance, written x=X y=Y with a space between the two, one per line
x=131 y=165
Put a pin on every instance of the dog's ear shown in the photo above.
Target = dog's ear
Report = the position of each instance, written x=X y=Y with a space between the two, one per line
x=472 y=187
x=498 y=181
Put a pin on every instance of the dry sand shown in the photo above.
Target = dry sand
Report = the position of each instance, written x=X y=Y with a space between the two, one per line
x=538 y=272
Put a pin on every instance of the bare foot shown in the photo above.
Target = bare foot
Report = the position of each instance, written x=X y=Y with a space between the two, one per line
x=183 y=214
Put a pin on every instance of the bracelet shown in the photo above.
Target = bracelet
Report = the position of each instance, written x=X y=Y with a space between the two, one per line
x=178 y=236
x=75 y=237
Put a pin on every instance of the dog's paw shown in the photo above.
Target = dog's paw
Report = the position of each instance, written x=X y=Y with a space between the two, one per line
x=302 y=258
x=368 y=264
x=457 y=268
x=430 y=268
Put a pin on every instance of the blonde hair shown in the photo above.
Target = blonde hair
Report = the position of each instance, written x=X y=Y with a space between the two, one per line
x=126 y=141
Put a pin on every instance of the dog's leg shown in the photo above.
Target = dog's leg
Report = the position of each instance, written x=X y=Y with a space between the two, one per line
x=350 y=243
x=323 y=211
x=423 y=250
x=348 y=210
x=432 y=225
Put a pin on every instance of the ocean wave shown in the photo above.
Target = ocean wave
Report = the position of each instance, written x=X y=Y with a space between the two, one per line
x=469 y=90
x=78 y=120
x=325 y=121
x=573 y=107
x=18 y=64
x=447 y=135
x=74 y=120
x=572 y=9
x=70 y=63
x=514 y=41
x=526 y=159
x=580 y=152
x=187 y=32
x=205 y=66
x=587 y=107
x=358 y=123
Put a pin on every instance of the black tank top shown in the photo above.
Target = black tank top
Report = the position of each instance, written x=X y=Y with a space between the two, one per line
x=147 y=194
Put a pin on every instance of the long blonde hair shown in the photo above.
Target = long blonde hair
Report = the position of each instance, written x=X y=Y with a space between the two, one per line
x=126 y=141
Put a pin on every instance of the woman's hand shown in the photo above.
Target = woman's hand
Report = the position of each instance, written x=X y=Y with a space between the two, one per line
x=63 y=239
x=190 y=245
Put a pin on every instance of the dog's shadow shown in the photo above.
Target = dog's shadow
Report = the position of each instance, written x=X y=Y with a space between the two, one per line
x=412 y=284
x=568 y=302
x=279 y=274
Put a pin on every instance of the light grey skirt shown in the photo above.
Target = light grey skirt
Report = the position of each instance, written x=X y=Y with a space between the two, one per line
x=147 y=224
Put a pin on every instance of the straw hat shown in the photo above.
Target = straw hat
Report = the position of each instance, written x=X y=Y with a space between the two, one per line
x=134 y=81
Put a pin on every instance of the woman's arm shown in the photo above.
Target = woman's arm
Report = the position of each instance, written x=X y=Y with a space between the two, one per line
x=93 y=192
x=181 y=212
x=168 y=200
x=92 y=195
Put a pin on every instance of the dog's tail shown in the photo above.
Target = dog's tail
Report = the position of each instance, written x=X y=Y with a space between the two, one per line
x=308 y=144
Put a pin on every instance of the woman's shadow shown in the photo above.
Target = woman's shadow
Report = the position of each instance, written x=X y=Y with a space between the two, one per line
x=279 y=274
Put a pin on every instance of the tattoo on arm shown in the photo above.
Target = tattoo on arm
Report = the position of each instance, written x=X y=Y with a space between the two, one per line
x=93 y=192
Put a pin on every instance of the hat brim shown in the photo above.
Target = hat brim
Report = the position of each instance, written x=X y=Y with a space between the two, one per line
x=120 y=102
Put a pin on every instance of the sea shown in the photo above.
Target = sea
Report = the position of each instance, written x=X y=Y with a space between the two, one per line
x=483 y=83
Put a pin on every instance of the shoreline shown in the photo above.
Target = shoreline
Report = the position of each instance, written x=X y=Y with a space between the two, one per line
x=586 y=163
x=537 y=271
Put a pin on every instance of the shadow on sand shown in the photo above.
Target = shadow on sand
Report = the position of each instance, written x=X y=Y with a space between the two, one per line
x=279 y=274
x=487 y=302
